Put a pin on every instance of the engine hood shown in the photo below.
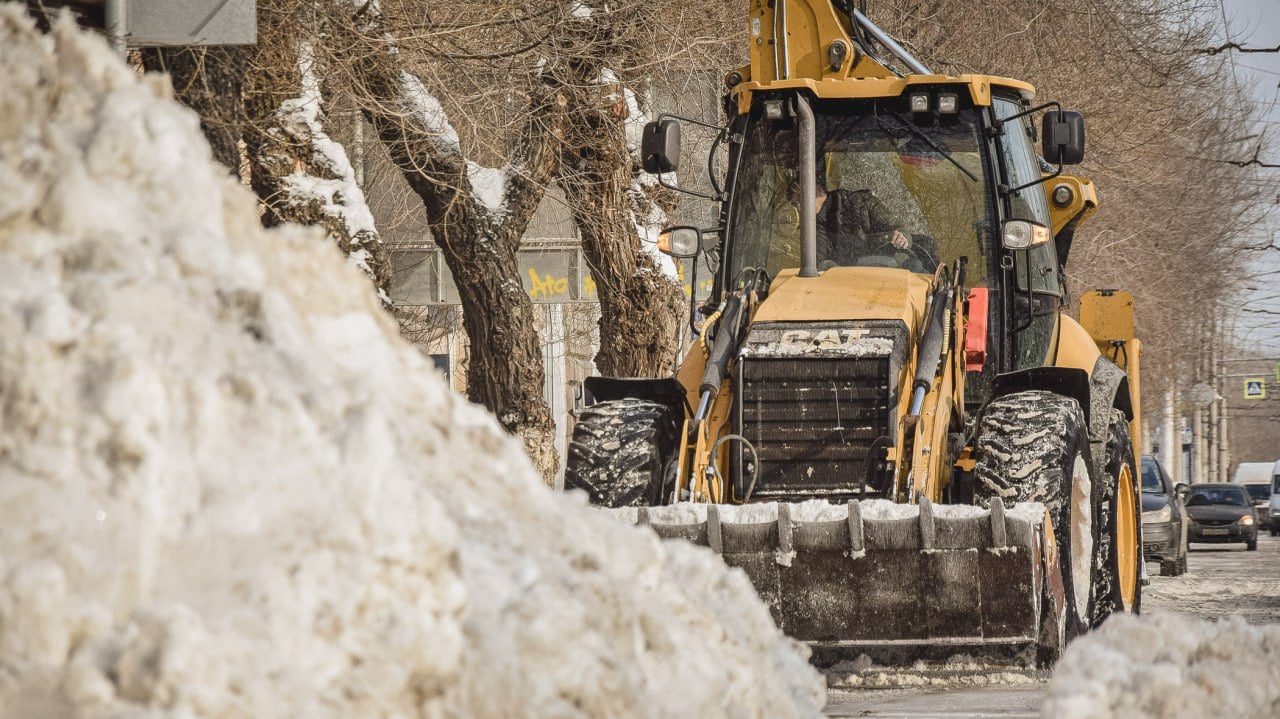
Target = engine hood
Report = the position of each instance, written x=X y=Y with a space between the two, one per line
x=1154 y=502
x=848 y=293
x=1216 y=512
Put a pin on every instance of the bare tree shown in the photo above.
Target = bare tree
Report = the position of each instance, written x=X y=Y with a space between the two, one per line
x=265 y=106
x=298 y=172
x=476 y=214
x=612 y=201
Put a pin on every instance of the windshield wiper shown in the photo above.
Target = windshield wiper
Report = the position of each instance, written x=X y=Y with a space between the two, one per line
x=929 y=140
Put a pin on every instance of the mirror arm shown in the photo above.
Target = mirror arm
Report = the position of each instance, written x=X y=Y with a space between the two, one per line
x=1043 y=179
x=718 y=196
x=677 y=188
x=1054 y=104
x=1024 y=113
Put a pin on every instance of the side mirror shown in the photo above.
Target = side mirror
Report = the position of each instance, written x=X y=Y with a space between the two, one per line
x=1182 y=489
x=683 y=241
x=1023 y=234
x=1062 y=137
x=660 y=146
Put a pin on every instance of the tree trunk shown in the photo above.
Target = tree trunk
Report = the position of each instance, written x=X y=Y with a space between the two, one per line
x=640 y=306
x=480 y=243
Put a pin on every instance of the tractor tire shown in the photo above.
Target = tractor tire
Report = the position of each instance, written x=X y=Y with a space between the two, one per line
x=1120 y=562
x=1033 y=446
x=619 y=451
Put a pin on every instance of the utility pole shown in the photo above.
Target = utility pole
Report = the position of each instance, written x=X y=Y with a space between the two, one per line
x=114 y=13
x=1171 y=438
x=1197 y=445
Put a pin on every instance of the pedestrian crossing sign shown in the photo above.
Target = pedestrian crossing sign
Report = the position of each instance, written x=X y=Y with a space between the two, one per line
x=1255 y=388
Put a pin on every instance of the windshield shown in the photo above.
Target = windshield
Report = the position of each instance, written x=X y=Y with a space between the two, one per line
x=1258 y=492
x=1201 y=496
x=891 y=192
x=1151 y=483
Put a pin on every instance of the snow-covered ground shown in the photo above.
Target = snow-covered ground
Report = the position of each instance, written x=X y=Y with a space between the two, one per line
x=1169 y=665
x=228 y=489
x=1207 y=644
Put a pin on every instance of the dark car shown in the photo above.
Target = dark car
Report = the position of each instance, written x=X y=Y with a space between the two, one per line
x=1164 y=525
x=1221 y=513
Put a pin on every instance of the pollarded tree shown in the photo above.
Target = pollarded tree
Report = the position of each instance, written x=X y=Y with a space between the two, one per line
x=614 y=203
x=477 y=214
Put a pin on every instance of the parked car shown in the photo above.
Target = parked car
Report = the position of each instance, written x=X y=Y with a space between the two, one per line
x=1221 y=513
x=1164 y=519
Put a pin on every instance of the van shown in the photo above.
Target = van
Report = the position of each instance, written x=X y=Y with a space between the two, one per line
x=1258 y=479
x=1273 y=520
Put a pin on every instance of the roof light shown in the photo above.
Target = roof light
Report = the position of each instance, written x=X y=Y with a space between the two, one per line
x=920 y=102
x=948 y=103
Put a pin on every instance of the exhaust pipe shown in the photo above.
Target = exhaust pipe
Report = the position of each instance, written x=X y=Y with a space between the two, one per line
x=808 y=174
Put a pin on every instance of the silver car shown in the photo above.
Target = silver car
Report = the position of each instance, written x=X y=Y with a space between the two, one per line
x=1164 y=519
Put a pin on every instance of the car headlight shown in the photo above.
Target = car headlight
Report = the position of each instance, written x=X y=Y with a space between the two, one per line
x=1246 y=519
x=1160 y=515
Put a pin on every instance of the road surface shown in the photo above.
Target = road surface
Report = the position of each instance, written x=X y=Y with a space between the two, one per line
x=1221 y=581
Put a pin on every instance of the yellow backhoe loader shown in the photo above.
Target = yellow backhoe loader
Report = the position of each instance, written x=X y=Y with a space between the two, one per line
x=889 y=421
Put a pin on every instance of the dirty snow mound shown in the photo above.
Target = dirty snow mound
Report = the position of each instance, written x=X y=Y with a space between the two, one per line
x=227 y=488
x=1166 y=665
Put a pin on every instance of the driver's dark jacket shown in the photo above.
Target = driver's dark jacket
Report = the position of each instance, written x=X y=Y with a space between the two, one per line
x=853 y=223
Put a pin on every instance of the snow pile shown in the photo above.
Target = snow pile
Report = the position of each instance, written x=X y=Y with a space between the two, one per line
x=1166 y=665
x=227 y=488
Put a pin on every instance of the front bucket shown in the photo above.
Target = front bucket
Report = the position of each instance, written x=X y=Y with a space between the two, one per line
x=897 y=582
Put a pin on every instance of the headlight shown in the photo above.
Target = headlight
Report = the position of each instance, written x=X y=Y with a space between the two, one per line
x=1160 y=515
x=1246 y=519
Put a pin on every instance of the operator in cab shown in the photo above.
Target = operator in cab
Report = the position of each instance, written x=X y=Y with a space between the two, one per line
x=857 y=228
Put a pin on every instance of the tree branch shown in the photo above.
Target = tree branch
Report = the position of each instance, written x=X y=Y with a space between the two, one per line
x=1234 y=46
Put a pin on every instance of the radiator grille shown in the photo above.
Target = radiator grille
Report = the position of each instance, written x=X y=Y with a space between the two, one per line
x=813 y=420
